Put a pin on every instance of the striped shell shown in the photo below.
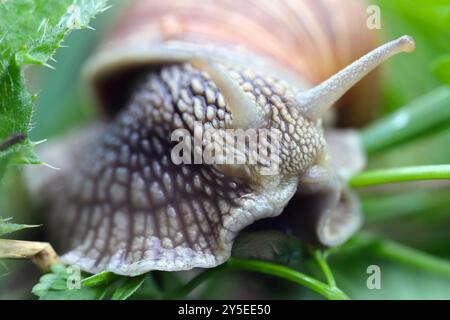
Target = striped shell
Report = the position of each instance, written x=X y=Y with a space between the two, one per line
x=312 y=39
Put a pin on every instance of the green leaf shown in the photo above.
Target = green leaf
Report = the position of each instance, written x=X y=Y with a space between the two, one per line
x=15 y=112
x=33 y=29
x=73 y=109
x=59 y=286
x=128 y=287
x=7 y=227
x=101 y=278
x=30 y=33
x=68 y=283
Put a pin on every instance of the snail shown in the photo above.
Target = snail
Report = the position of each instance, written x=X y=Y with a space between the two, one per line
x=121 y=204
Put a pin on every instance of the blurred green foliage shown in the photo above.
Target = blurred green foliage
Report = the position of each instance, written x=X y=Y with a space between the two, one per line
x=63 y=102
x=7 y=227
x=104 y=285
x=419 y=214
x=408 y=77
x=30 y=33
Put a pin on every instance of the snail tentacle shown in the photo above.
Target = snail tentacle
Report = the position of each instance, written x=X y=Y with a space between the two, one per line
x=314 y=102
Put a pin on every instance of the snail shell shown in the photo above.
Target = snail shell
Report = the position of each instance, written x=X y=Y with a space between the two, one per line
x=312 y=39
x=122 y=204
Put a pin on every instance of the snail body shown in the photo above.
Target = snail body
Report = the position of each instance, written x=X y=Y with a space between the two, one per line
x=126 y=207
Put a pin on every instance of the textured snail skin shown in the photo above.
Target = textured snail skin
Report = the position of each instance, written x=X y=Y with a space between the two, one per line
x=120 y=204
x=129 y=209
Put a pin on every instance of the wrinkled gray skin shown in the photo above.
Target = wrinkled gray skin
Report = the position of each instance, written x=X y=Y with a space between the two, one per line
x=125 y=207
x=120 y=204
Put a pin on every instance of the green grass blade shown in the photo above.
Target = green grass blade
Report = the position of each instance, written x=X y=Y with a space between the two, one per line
x=129 y=286
x=402 y=174
x=421 y=115
x=400 y=253
x=329 y=292
x=7 y=227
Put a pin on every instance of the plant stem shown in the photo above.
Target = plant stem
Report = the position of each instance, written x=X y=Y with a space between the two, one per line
x=323 y=265
x=391 y=175
x=406 y=255
x=413 y=257
x=425 y=113
x=327 y=291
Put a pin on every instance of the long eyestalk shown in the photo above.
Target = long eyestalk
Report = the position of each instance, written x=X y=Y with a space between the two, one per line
x=316 y=101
